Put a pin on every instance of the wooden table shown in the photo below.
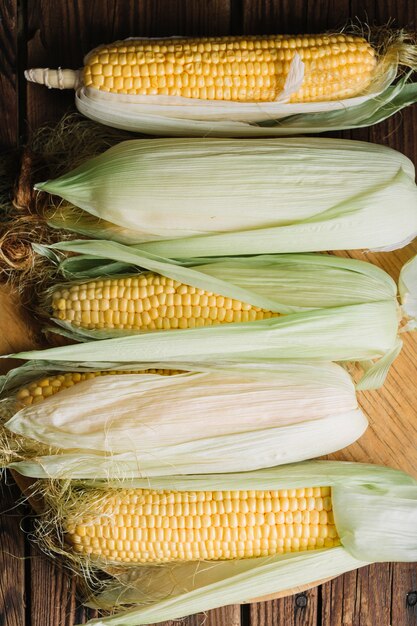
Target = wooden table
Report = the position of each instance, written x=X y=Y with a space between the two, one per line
x=33 y=590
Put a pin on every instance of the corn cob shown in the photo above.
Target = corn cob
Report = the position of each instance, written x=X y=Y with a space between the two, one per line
x=240 y=69
x=144 y=526
x=38 y=390
x=148 y=302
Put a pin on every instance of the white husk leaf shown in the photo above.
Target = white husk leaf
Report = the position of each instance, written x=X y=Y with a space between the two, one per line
x=236 y=419
x=276 y=195
x=174 y=590
x=181 y=121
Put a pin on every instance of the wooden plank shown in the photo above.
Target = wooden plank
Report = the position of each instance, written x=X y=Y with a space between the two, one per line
x=9 y=128
x=359 y=598
x=297 y=610
x=12 y=554
x=404 y=594
x=21 y=330
x=53 y=597
x=224 y=616
x=13 y=566
x=293 y=16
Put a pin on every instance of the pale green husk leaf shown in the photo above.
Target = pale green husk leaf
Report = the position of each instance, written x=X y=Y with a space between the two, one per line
x=236 y=418
x=407 y=285
x=276 y=195
x=282 y=283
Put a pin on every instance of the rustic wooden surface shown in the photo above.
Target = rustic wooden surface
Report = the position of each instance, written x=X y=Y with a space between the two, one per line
x=33 y=590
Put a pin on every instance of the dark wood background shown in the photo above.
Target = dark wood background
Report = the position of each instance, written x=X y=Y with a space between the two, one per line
x=33 y=590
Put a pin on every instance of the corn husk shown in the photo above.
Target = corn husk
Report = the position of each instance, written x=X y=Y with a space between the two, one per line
x=239 y=418
x=407 y=286
x=332 y=309
x=375 y=511
x=279 y=120
x=211 y=197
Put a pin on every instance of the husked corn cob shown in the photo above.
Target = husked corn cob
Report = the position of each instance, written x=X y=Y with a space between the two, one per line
x=144 y=526
x=148 y=302
x=39 y=390
x=245 y=69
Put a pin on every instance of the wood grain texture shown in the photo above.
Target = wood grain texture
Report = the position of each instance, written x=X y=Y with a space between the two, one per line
x=53 y=598
x=224 y=616
x=13 y=549
x=359 y=598
x=12 y=557
x=60 y=33
x=9 y=127
x=300 y=609
x=404 y=594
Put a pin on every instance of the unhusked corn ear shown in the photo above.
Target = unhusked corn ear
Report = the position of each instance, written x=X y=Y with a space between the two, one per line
x=147 y=302
x=41 y=389
x=245 y=69
x=144 y=526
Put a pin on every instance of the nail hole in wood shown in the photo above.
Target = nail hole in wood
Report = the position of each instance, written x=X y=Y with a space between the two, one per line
x=301 y=601
x=411 y=599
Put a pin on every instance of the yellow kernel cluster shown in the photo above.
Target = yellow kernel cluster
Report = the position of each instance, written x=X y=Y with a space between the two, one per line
x=244 y=69
x=147 y=302
x=39 y=390
x=144 y=526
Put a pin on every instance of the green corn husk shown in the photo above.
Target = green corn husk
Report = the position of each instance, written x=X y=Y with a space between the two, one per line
x=332 y=309
x=234 y=418
x=407 y=288
x=211 y=197
x=375 y=512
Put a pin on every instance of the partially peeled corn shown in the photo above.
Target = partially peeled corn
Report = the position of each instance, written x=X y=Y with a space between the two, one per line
x=224 y=86
x=176 y=545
